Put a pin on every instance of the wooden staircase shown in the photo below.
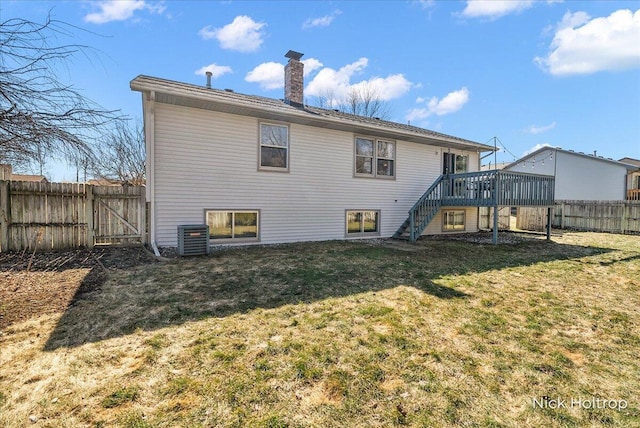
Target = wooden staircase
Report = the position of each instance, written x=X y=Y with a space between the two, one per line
x=421 y=213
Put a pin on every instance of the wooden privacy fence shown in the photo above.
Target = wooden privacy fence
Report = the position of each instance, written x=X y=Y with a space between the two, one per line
x=486 y=218
x=599 y=216
x=51 y=216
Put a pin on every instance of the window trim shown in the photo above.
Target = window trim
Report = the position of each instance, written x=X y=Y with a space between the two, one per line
x=374 y=158
x=361 y=234
x=260 y=145
x=444 y=221
x=231 y=240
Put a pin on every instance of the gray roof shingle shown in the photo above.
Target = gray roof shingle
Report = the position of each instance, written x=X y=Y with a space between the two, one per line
x=216 y=99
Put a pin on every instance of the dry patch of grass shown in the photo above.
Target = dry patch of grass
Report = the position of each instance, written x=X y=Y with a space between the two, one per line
x=339 y=334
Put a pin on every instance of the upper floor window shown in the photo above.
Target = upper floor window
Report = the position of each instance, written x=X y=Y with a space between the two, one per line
x=375 y=158
x=274 y=147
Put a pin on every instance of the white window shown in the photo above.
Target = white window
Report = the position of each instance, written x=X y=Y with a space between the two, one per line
x=274 y=147
x=363 y=222
x=453 y=220
x=374 y=158
x=233 y=225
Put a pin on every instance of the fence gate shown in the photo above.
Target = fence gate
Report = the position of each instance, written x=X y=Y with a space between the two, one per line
x=118 y=215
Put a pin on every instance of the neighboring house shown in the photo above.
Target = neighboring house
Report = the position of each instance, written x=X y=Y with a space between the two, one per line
x=633 y=179
x=578 y=176
x=6 y=173
x=263 y=170
x=103 y=182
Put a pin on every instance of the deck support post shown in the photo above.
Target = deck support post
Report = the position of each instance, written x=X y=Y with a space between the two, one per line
x=495 y=224
x=549 y=214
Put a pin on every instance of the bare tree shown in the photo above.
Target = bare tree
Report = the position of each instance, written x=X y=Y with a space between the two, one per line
x=326 y=100
x=120 y=155
x=361 y=100
x=364 y=100
x=39 y=114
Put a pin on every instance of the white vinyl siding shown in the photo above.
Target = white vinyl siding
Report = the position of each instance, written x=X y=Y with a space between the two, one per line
x=578 y=177
x=206 y=159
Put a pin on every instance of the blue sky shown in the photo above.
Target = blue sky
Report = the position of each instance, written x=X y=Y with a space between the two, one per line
x=530 y=73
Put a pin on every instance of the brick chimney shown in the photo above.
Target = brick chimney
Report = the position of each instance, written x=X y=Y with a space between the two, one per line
x=293 y=79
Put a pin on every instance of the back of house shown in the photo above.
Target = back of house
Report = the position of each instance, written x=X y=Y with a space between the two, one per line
x=261 y=170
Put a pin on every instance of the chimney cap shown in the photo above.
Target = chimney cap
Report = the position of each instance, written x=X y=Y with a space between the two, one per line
x=294 y=55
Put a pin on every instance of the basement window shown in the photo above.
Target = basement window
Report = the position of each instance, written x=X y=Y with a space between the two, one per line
x=453 y=220
x=274 y=147
x=233 y=225
x=363 y=222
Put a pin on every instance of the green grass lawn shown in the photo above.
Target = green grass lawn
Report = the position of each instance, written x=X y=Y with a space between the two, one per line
x=442 y=333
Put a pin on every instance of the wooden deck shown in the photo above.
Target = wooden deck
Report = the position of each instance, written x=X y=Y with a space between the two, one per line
x=478 y=189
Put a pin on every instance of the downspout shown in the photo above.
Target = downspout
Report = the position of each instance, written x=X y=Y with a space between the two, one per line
x=148 y=101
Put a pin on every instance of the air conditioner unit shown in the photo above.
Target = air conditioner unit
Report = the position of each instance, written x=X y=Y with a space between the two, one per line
x=193 y=239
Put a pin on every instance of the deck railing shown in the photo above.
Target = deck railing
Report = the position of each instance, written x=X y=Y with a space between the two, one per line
x=633 y=195
x=478 y=189
x=497 y=188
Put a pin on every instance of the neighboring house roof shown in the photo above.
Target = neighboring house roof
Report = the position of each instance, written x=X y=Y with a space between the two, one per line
x=29 y=177
x=491 y=166
x=570 y=152
x=188 y=95
x=103 y=182
x=630 y=161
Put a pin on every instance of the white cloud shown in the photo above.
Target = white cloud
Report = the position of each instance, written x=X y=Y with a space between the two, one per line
x=311 y=65
x=323 y=21
x=120 y=10
x=536 y=147
x=451 y=103
x=334 y=84
x=385 y=88
x=215 y=69
x=243 y=34
x=270 y=75
x=426 y=4
x=540 y=129
x=337 y=84
x=494 y=9
x=582 y=45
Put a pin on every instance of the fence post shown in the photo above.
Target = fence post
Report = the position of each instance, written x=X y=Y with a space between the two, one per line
x=625 y=215
x=495 y=225
x=5 y=215
x=89 y=209
x=562 y=216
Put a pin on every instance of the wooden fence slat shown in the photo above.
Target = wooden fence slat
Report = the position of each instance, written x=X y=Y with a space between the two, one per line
x=600 y=216
x=48 y=216
x=5 y=215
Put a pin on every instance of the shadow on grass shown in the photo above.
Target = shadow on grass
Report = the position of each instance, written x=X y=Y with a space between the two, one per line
x=238 y=280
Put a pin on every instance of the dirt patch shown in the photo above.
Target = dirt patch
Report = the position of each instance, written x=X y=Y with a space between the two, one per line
x=49 y=282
